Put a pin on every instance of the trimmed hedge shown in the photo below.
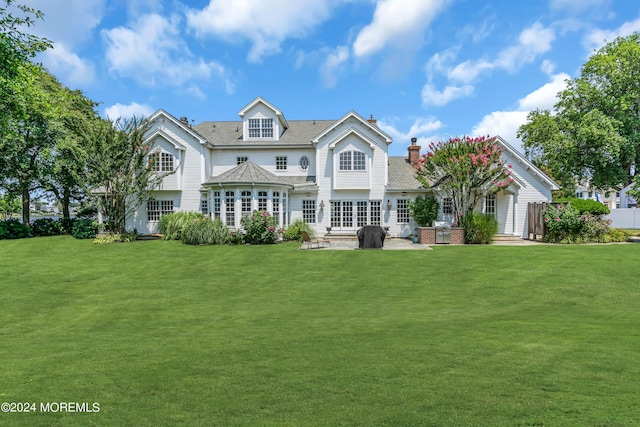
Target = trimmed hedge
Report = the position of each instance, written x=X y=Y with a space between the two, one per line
x=586 y=206
x=479 y=228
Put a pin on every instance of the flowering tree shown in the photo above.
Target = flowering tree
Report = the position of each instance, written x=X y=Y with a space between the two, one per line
x=464 y=169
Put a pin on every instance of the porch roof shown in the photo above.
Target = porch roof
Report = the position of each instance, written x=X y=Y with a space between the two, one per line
x=248 y=173
x=402 y=175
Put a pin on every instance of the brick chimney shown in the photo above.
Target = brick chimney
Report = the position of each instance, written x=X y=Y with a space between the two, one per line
x=414 y=151
x=372 y=120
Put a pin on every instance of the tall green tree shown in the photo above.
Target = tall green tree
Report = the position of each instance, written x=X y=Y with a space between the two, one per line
x=22 y=103
x=28 y=142
x=65 y=172
x=464 y=169
x=120 y=168
x=594 y=130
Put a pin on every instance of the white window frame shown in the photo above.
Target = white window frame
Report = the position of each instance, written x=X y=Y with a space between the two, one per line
x=260 y=128
x=352 y=160
x=309 y=211
x=281 y=163
x=156 y=209
x=304 y=163
x=490 y=204
x=402 y=211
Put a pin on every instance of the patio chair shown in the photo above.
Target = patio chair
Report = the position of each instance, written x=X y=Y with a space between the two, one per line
x=306 y=240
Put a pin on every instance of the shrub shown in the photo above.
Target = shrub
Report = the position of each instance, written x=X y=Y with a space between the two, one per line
x=85 y=229
x=616 y=235
x=203 y=231
x=424 y=210
x=14 y=229
x=66 y=225
x=565 y=224
x=479 y=228
x=293 y=231
x=46 y=227
x=586 y=206
x=107 y=238
x=172 y=225
x=260 y=228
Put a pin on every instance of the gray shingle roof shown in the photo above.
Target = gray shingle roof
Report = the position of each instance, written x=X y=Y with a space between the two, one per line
x=402 y=175
x=299 y=132
x=248 y=173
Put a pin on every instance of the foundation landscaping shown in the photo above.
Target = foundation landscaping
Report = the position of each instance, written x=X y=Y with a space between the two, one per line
x=162 y=333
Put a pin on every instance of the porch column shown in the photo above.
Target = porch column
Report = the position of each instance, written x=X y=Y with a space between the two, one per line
x=515 y=214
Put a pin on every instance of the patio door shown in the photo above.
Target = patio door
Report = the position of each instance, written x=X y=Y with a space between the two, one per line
x=342 y=215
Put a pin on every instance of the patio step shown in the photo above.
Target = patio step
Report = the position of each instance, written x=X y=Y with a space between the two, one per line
x=341 y=236
x=507 y=238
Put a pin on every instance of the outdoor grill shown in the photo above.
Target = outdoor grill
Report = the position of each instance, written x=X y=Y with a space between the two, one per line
x=443 y=232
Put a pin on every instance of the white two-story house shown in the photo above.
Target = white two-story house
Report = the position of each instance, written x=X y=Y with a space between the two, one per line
x=333 y=174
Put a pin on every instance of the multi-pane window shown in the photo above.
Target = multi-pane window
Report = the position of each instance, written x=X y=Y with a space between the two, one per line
x=352 y=160
x=204 y=207
x=216 y=204
x=490 y=204
x=260 y=128
x=276 y=204
x=361 y=213
x=241 y=159
x=359 y=161
x=447 y=206
x=262 y=201
x=347 y=214
x=345 y=161
x=245 y=203
x=158 y=208
x=336 y=213
x=375 y=212
x=230 y=204
x=161 y=162
x=403 y=211
x=285 y=208
x=309 y=211
x=281 y=162
x=304 y=163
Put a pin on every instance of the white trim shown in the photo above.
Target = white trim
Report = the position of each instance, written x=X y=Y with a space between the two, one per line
x=353 y=114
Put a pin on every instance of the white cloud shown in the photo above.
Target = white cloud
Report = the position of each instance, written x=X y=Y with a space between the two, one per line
x=506 y=123
x=432 y=96
x=80 y=18
x=395 y=22
x=128 y=111
x=548 y=67
x=503 y=123
x=598 y=38
x=333 y=65
x=544 y=98
x=266 y=24
x=423 y=128
x=532 y=42
x=152 y=52
x=61 y=62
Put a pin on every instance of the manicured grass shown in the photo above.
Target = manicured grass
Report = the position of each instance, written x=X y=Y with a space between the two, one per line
x=160 y=333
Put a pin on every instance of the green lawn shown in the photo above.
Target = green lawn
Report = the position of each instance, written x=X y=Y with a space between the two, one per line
x=160 y=333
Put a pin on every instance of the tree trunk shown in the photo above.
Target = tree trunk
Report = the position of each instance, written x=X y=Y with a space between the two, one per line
x=26 y=201
x=66 y=197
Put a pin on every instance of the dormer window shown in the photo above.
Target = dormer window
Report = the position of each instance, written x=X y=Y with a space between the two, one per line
x=353 y=160
x=260 y=128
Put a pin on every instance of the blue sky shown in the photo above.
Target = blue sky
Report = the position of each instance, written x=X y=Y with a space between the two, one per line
x=430 y=69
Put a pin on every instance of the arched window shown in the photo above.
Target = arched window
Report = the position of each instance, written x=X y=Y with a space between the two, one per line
x=353 y=161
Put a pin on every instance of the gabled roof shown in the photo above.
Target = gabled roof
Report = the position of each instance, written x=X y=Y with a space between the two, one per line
x=177 y=122
x=402 y=175
x=350 y=131
x=248 y=173
x=166 y=137
x=229 y=134
x=349 y=115
x=543 y=177
x=260 y=100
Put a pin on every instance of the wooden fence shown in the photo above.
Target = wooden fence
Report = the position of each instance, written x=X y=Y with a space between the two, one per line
x=535 y=222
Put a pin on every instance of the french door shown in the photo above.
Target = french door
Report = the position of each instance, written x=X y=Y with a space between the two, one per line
x=353 y=214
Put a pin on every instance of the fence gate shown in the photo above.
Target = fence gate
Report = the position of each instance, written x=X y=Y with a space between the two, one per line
x=535 y=222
